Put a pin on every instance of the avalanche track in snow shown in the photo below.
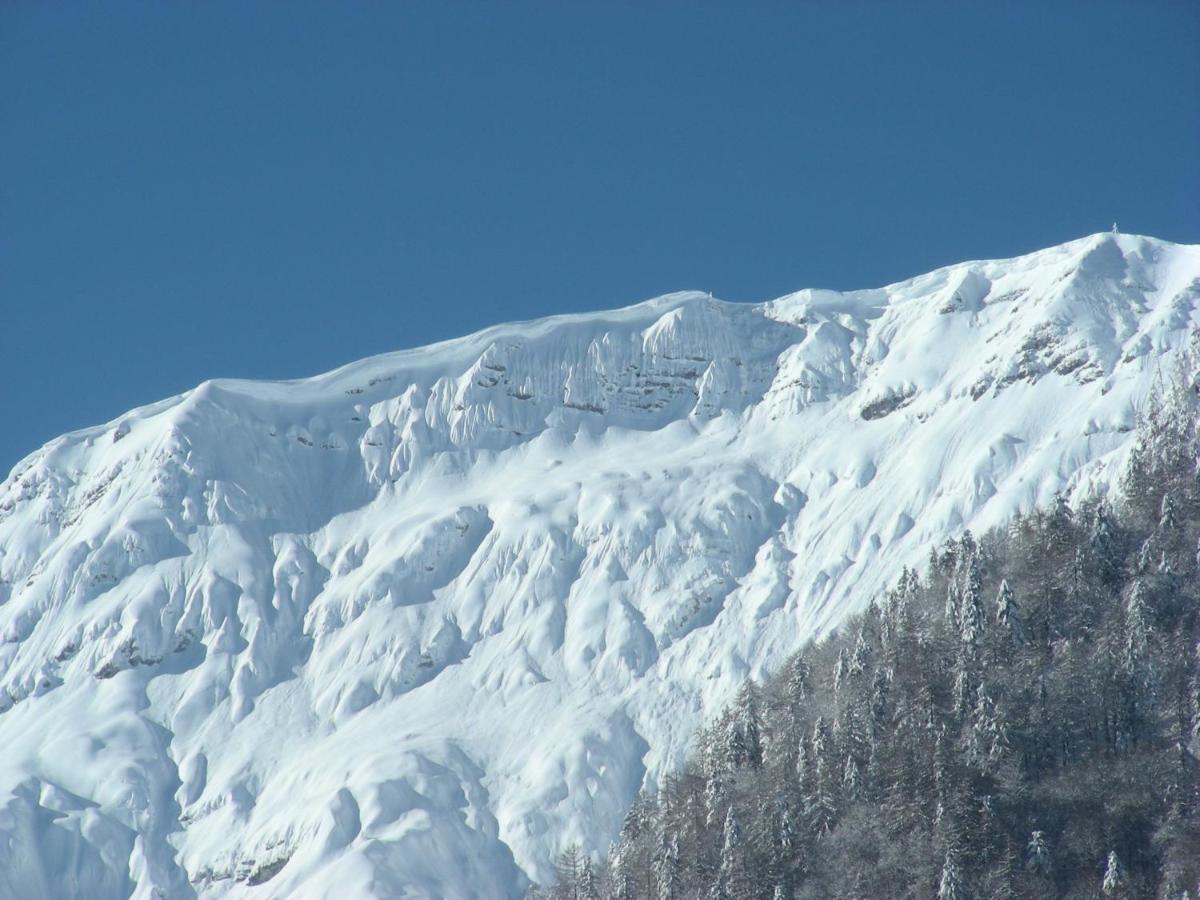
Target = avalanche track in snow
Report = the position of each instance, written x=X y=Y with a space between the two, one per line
x=395 y=630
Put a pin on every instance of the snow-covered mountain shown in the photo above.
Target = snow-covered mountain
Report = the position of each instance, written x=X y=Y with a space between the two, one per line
x=400 y=629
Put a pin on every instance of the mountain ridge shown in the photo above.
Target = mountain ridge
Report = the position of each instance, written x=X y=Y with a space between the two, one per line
x=665 y=302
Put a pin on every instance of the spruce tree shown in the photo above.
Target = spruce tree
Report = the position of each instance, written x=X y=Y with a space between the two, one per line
x=589 y=888
x=668 y=871
x=950 y=883
x=1037 y=854
x=1009 y=616
x=1115 y=880
x=734 y=880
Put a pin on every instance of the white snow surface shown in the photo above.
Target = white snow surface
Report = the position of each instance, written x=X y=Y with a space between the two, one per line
x=408 y=628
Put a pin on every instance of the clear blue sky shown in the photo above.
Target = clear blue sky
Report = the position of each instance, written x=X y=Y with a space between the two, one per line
x=193 y=190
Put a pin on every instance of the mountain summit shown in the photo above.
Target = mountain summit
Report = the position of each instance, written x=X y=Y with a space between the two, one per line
x=397 y=629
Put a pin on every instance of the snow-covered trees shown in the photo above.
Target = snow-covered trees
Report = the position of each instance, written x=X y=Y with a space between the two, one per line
x=743 y=730
x=1009 y=616
x=668 y=870
x=734 y=881
x=950 y=883
x=1115 y=881
x=1162 y=463
x=1042 y=744
x=1037 y=853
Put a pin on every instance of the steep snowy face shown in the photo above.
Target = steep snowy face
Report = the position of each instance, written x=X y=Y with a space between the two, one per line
x=398 y=629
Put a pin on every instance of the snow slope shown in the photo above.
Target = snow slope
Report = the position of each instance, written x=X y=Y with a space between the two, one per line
x=397 y=629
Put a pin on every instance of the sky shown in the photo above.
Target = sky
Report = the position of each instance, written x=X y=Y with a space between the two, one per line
x=269 y=190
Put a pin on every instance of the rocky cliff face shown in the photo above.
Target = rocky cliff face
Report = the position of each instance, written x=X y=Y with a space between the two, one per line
x=392 y=630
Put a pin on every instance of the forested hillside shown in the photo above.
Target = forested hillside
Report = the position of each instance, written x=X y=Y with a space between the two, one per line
x=1020 y=720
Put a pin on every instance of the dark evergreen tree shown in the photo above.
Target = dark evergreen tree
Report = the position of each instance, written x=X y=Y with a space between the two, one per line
x=1037 y=854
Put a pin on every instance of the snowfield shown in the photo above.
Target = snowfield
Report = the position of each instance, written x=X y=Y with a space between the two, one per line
x=400 y=629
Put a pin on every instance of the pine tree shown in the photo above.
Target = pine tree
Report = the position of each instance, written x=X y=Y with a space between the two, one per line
x=1037 y=854
x=1103 y=549
x=804 y=773
x=963 y=686
x=799 y=686
x=820 y=738
x=1166 y=517
x=879 y=702
x=1114 y=877
x=634 y=848
x=743 y=730
x=987 y=738
x=715 y=803
x=799 y=680
x=568 y=868
x=950 y=884
x=734 y=880
x=1009 y=616
x=1163 y=456
x=950 y=615
x=623 y=882
x=668 y=871
x=1139 y=484
x=589 y=888
x=971 y=619
x=840 y=670
x=860 y=659
x=852 y=788
x=821 y=802
x=782 y=847
x=1136 y=699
